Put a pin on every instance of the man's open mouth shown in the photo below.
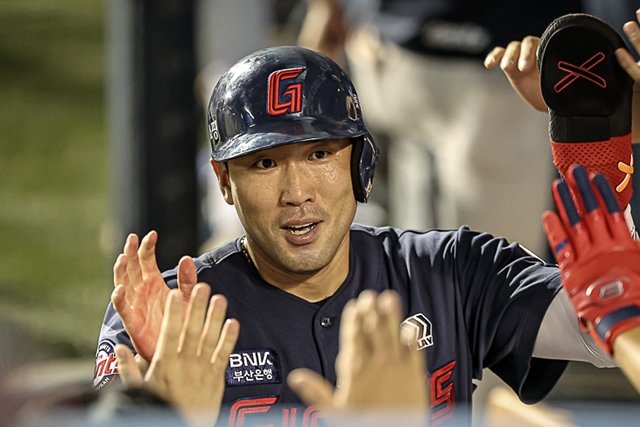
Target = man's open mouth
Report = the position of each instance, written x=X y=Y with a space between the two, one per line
x=299 y=230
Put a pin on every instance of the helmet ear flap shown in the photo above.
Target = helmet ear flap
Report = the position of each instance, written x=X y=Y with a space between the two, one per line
x=364 y=157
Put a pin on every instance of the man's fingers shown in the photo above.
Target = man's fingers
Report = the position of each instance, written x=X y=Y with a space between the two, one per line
x=117 y=298
x=226 y=344
x=518 y=64
x=494 y=57
x=142 y=363
x=632 y=31
x=390 y=310
x=528 y=49
x=194 y=320
x=517 y=56
x=127 y=367
x=558 y=240
x=363 y=323
x=629 y=64
x=349 y=327
x=367 y=309
x=509 y=61
x=564 y=202
x=606 y=193
x=351 y=342
x=311 y=388
x=594 y=217
x=120 y=276
x=119 y=302
x=580 y=185
x=213 y=324
x=570 y=217
x=616 y=222
x=147 y=255
x=187 y=276
x=417 y=361
x=134 y=272
x=169 y=337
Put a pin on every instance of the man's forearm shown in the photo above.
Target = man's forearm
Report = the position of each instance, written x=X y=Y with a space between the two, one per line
x=626 y=352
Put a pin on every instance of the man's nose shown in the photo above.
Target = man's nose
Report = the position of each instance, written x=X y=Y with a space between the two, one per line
x=297 y=185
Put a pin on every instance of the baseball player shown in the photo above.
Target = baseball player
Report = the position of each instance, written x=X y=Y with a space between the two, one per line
x=377 y=367
x=292 y=154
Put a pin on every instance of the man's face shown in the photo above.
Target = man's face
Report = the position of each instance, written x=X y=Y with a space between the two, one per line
x=295 y=202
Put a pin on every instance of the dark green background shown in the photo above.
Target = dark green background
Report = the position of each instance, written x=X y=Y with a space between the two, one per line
x=55 y=267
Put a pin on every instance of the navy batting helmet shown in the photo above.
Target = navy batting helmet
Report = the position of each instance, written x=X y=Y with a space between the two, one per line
x=284 y=95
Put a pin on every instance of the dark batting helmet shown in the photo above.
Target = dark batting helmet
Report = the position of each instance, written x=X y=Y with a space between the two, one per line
x=284 y=95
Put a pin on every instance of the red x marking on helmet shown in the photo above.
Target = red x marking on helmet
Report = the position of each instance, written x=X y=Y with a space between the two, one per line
x=574 y=72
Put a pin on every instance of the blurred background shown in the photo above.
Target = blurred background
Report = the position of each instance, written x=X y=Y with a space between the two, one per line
x=54 y=198
x=72 y=159
x=102 y=133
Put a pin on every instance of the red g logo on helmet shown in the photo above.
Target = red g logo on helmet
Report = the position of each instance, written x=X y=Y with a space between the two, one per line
x=291 y=99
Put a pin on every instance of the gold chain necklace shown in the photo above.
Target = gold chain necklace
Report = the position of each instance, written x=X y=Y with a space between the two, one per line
x=243 y=248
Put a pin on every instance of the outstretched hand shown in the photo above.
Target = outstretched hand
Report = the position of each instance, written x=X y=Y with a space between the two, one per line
x=599 y=260
x=518 y=62
x=188 y=368
x=632 y=31
x=376 y=367
x=324 y=29
x=140 y=291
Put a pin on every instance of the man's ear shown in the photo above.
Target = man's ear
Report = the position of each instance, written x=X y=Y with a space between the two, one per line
x=222 y=172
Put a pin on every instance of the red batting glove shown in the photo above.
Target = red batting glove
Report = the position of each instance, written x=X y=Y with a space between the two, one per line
x=599 y=261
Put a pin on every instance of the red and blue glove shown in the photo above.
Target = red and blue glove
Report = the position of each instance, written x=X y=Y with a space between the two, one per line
x=599 y=261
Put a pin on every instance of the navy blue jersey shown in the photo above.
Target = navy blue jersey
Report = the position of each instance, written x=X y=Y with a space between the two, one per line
x=475 y=301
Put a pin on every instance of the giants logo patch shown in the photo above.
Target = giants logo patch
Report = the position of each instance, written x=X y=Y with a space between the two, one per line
x=422 y=330
x=249 y=367
x=265 y=411
x=442 y=394
x=281 y=97
x=106 y=366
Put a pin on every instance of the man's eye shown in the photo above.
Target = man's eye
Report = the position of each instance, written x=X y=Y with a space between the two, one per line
x=320 y=154
x=265 y=164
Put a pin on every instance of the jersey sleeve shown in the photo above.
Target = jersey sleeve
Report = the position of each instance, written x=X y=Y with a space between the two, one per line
x=506 y=292
x=112 y=332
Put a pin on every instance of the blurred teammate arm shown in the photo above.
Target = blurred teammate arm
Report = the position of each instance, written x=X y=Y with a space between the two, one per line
x=626 y=349
x=518 y=63
x=324 y=29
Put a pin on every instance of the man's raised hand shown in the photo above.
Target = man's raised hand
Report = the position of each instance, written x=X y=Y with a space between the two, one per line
x=140 y=290
x=188 y=367
x=632 y=31
x=518 y=62
x=376 y=367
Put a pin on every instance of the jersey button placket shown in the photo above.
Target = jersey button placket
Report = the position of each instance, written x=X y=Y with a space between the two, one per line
x=326 y=322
